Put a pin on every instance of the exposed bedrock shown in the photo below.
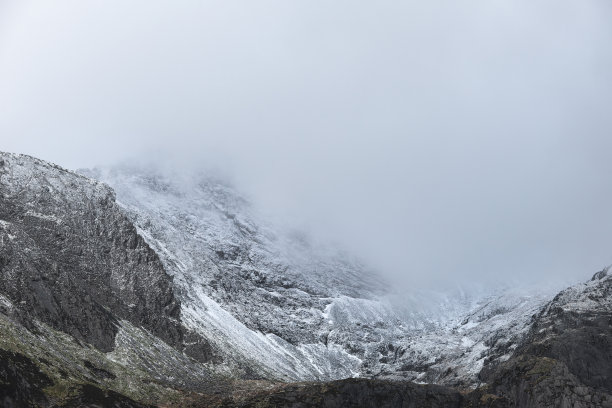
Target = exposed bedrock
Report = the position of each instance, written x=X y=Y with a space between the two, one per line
x=70 y=258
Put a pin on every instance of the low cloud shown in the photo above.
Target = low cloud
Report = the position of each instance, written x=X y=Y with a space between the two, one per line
x=442 y=141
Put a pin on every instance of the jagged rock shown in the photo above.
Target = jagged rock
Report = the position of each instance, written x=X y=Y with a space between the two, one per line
x=70 y=258
x=575 y=328
x=540 y=382
x=601 y=274
x=566 y=358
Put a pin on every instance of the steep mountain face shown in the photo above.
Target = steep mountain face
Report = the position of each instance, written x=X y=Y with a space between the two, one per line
x=83 y=299
x=266 y=301
x=274 y=305
x=566 y=358
x=70 y=258
x=178 y=293
x=581 y=316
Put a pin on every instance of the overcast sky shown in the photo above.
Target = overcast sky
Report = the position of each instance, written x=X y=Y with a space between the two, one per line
x=437 y=139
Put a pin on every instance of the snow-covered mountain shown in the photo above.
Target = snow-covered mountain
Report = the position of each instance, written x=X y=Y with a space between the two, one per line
x=273 y=304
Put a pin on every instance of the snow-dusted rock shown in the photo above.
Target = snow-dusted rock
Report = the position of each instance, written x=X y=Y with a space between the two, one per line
x=274 y=304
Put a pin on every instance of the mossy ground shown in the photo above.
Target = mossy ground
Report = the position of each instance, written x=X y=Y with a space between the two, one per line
x=64 y=360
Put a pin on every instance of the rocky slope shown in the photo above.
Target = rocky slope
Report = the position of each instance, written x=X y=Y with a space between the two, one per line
x=178 y=293
x=563 y=361
x=80 y=291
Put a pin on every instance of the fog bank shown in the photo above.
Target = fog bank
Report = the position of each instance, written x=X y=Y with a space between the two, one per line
x=439 y=140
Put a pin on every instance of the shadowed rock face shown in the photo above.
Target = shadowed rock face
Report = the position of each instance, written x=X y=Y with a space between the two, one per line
x=576 y=329
x=91 y=396
x=71 y=259
x=528 y=381
x=566 y=359
x=21 y=381
x=358 y=393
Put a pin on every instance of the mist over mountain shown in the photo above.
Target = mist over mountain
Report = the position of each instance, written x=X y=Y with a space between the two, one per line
x=439 y=141
x=305 y=204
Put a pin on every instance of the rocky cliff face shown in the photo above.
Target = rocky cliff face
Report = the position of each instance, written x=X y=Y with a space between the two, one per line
x=580 y=316
x=70 y=258
x=566 y=358
x=86 y=306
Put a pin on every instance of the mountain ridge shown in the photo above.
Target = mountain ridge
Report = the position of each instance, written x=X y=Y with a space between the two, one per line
x=150 y=293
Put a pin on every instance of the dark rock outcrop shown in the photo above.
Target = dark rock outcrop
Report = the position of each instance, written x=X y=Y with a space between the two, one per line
x=92 y=396
x=528 y=381
x=21 y=381
x=355 y=393
x=566 y=359
x=71 y=259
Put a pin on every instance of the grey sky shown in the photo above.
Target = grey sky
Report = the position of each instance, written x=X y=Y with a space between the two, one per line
x=438 y=139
